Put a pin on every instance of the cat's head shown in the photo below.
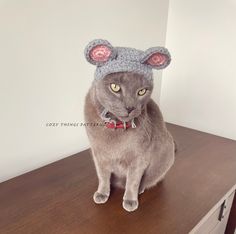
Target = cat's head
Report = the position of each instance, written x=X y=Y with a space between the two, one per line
x=123 y=76
x=124 y=94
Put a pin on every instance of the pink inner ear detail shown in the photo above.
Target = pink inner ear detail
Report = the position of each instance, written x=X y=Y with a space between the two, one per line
x=100 y=53
x=157 y=59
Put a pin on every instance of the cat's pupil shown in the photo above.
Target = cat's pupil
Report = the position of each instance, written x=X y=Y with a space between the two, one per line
x=115 y=87
x=142 y=92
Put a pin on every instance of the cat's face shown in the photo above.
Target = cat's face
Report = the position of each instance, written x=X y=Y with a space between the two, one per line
x=124 y=94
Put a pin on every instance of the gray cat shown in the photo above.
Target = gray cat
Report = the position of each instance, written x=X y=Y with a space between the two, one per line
x=130 y=144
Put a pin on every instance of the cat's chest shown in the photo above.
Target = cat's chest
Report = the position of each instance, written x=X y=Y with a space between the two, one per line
x=120 y=161
x=113 y=137
x=117 y=142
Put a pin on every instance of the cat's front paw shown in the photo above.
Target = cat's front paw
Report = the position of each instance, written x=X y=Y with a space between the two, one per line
x=100 y=198
x=130 y=205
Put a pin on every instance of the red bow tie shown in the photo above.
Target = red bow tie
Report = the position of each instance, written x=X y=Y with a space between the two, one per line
x=119 y=124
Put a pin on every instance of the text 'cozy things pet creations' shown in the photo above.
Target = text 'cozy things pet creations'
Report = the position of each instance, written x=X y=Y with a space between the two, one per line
x=133 y=150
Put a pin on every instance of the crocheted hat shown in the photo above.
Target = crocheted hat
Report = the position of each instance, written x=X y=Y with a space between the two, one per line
x=109 y=59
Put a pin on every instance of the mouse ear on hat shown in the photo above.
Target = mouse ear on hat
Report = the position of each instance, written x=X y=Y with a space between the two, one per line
x=99 y=51
x=156 y=57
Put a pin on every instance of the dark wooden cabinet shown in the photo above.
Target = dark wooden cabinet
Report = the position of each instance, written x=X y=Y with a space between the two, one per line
x=195 y=197
x=216 y=219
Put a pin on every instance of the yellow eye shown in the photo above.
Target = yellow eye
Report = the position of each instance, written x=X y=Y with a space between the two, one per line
x=141 y=92
x=115 y=88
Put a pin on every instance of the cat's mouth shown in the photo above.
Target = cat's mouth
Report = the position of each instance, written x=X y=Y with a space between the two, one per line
x=127 y=118
x=109 y=115
x=124 y=118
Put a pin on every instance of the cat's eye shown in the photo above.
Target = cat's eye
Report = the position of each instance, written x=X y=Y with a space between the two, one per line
x=141 y=92
x=115 y=87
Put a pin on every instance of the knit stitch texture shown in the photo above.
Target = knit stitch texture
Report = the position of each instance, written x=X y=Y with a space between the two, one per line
x=109 y=59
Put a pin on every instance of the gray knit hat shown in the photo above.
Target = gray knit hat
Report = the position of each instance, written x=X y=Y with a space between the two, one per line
x=109 y=59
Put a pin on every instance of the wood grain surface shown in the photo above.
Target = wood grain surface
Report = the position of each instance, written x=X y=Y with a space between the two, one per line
x=57 y=198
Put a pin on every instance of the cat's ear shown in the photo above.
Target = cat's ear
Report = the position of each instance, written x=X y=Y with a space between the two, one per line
x=156 y=57
x=99 y=52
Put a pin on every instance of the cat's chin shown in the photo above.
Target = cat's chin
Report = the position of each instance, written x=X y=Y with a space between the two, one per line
x=126 y=118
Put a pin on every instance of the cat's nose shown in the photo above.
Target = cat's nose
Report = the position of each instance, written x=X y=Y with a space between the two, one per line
x=130 y=109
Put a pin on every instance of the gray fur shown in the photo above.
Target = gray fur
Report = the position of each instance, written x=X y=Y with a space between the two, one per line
x=137 y=158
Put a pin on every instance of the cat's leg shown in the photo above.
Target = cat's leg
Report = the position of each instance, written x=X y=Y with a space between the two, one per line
x=142 y=187
x=141 y=190
x=130 y=199
x=103 y=191
x=149 y=182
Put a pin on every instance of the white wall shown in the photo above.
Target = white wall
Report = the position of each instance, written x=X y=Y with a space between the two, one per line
x=44 y=76
x=199 y=88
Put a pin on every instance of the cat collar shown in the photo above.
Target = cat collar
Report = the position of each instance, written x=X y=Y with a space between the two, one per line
x=116 y=124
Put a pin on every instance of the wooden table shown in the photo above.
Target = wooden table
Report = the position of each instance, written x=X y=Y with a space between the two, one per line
x=57 y=198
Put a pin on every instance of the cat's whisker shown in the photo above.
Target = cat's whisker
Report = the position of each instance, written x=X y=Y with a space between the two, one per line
x=124 y=123
x=133 y=124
